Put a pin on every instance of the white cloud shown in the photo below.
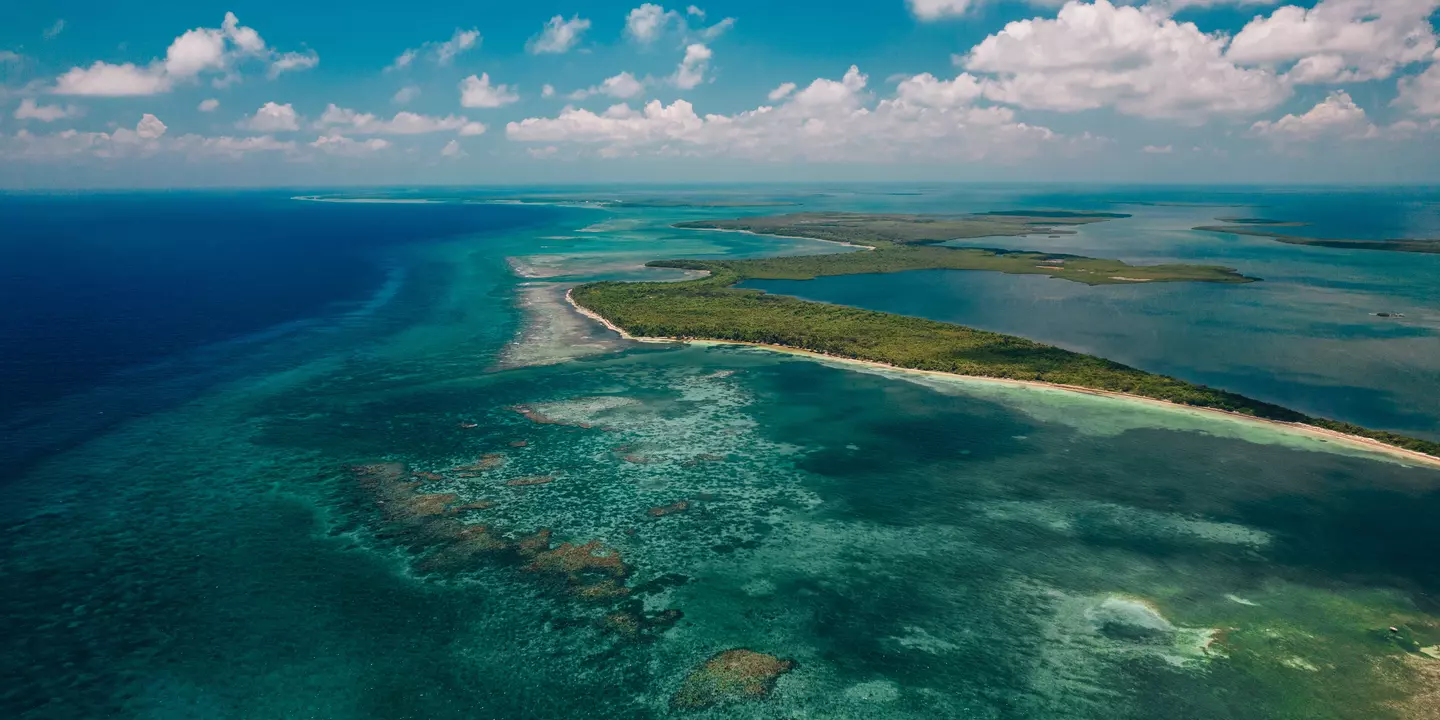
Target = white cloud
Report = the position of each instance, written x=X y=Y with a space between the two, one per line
x=1421 y=93
x=104 y=79
x=1340 y=40
x=1137 y=60
x=194 y=52
x=272 y=117
x=1159 y=149
x=30 y=110
x=644 y=24
x=691 y=71
x=10 y=56
x=405 y=95
x=149 y=127
x=458 y=43
x=452 y=150
x=54 y=30
x=781 y=92
x=928 y=90
x=477 y=92
x=718 y=29
x=697 y=12
x=829 y=120
x=937 y=9
x=471 y=129
x=442 y=53
x=1336 y=117
x=210 y=105
x=231 y=147
x=403 y=60
x=341 y=145
x=337 y=118
x=547 y=91
x=148 y=138
x=1178 y=5
x=123 y=142
x=623 y=86
x=559 y=35
x=292 y=61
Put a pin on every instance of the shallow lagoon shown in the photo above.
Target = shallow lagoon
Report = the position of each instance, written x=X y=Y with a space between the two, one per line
x=918 y=547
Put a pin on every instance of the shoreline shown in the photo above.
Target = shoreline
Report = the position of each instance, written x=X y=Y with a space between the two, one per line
x=787 y=237
x=1298 y=428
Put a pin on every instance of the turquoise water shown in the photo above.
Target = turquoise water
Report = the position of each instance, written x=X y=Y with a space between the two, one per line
x=918 y=547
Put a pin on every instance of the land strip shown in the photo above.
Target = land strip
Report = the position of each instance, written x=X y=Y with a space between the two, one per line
x=712 y=309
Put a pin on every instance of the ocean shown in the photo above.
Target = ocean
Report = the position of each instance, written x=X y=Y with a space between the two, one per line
x=274 y=455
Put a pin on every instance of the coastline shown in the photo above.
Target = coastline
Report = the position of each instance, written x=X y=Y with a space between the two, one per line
x=1299 y=428
x=787 y=237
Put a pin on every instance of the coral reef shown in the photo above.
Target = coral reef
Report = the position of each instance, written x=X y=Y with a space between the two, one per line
x=671 y=509
x=730 y=676
x=530 y=480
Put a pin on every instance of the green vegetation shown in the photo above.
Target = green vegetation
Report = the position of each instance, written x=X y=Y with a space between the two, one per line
x=711 y=308
x=880 y=230
x=909 y=242
x=1255 y=228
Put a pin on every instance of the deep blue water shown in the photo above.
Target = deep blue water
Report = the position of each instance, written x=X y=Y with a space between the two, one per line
x=95 y=284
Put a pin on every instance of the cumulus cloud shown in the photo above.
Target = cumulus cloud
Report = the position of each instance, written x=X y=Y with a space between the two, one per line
x=405 y=95
x=150 y=127
x=937 y=9
x=781 y=92
x=644 y=24
x=452 y=150
x=1340 y=40
x=691 y=71
x=149 y=137
x=231 y=147
x=547 y=91
x=338 y=119
x=829 y=120
x=104 y=79
x=477 y=92
x=559 y=35
x=1178 y=5
x=1336 y=117
x=442 y=53
x=341 y=145
x=1159 y=149
x=7 y=56
x=208 y=105
x=696 y=11
x=272 y=117
x=194 y=52
x=1135 y=59
x=623 y=86
x=30 y=110
x=1421 y=94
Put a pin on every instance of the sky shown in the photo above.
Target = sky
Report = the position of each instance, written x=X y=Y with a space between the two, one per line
x=203 y=94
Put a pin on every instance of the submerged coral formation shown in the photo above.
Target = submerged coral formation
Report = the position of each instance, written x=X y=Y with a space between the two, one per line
x=730 y=676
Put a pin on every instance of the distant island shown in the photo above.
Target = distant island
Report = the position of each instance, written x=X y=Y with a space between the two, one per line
x=1260 y=227
x=899 y=243
x=711 y=308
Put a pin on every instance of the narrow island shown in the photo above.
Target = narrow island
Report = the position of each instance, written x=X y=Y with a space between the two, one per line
x=1261 y=227
x=899 y=243
x=711 y=308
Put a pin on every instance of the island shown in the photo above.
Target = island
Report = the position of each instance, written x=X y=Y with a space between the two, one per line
x=899 y=243
x=712 y=308
x=1260 y=227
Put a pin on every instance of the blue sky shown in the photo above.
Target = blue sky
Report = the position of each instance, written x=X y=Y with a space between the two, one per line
x=262 y=93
